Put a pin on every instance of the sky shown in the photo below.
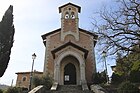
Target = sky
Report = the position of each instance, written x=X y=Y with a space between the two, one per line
x=33 y=18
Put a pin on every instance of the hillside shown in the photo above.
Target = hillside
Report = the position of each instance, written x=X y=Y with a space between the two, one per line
x=3 y=86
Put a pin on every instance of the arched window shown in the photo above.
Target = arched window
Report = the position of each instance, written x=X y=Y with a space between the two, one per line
x=24 y=78
x=66 y=15
x=72 y=15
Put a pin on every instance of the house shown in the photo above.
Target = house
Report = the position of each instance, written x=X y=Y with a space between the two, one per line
x=23 y=78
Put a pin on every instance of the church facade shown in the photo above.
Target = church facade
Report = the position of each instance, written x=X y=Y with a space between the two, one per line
x=69 y=50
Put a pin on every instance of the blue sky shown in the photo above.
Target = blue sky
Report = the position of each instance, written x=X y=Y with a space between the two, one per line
x=32 y=18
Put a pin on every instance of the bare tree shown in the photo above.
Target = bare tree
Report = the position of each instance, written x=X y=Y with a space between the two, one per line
x=119 y=29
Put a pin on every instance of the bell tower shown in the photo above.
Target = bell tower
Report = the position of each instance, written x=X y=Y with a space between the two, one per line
x=69 y=20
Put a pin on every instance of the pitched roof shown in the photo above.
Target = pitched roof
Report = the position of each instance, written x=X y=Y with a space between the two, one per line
x=59 y=29
x=36 y=72
x=88 y=32
x=69 y=44
x=49 y=33
x=79 y=8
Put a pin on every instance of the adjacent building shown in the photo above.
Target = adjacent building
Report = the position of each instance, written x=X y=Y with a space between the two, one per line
x=23 y=78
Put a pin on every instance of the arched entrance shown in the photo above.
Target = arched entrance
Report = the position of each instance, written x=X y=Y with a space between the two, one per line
x=65 y=58
x=70 y=71
x=69 y=74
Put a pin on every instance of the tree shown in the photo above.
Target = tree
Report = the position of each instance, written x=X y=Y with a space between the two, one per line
x=135 y=72
x=119 y=30
x=6 y=39
x=127 y=67
x=127 y=87
x=136 y=65
x=123 y=66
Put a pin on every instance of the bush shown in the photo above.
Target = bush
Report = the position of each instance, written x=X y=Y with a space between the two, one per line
x=13 y=90
x=37 y=81
x=135 y=76
x=45 y=80
x=1 y=91
x=127 y=87
x=116 y=78
x=99 y=78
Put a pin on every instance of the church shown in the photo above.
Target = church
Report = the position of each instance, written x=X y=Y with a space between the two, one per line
x=69 y=50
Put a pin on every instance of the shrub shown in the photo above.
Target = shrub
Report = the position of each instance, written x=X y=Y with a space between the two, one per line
x=45 y=80
x=99 y=78
x=1 y=91
x=37 y=81
x=135 y=76
x=13 y=90
x=116 y=78
x=127 y=87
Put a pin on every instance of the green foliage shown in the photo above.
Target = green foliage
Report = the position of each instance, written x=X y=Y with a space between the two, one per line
x=1 y=91
x=37 y=81
x=135 y=76
x=96 y=78
x=6 y=39
x=116 y=78
x=135 y=72
x=128 y=66
x=127 y=87
x=13 y=90
x=123 y=65
x=99 y=78
x=136 y=66
x=45 y=80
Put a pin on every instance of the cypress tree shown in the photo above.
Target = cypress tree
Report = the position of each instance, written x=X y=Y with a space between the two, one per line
x=6 y=39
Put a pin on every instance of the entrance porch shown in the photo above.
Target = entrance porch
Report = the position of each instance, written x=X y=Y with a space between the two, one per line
x=70 y=69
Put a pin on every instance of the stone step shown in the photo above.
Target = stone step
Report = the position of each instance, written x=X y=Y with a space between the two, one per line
x=72 y=91
x=69 y=89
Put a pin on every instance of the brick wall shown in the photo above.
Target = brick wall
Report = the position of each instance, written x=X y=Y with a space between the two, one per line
x=85 y=41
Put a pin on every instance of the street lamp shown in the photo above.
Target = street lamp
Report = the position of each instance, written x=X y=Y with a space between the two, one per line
x=104 y=55
x=31 y=73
